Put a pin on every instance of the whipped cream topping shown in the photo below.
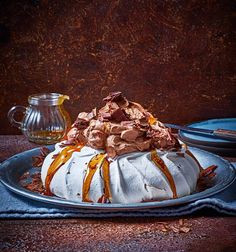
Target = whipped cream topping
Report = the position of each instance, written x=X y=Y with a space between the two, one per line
x=133 y=177
x=120 y=127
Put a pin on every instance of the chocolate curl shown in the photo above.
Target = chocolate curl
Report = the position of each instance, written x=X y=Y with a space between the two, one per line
x=70 y=142
x=37 y=161
x=119 y=115
x=208 y=171
x=83 y=119
x=118 y=98
x=81 y=123
x=114 y=96
x=113 y=110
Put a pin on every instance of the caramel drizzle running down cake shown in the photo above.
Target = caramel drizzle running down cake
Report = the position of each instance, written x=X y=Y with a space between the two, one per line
x=120 y=127
x=60 y=159
x=100 y=162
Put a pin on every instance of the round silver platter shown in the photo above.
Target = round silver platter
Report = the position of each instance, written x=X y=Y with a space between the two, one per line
x=13 y=168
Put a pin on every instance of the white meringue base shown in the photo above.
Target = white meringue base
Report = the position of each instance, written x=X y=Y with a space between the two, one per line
x=133 y=177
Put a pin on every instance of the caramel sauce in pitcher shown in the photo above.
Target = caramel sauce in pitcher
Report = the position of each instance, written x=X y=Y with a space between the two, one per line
x=47 y=134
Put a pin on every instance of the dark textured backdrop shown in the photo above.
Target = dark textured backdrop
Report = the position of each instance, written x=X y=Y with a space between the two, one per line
x=175 y=57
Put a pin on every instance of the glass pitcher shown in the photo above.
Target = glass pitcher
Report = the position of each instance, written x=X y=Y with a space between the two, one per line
x=45 y=120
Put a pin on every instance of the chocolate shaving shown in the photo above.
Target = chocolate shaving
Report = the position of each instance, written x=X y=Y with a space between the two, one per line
x=103 y=200
x=37 y=161
x=44 y=151
x=208 y=171
x=118 y=98
x=24 y=176
x=206 y=178
x=180 y=154
x=36 y=184
x=114 y=96
x=105 y=116
x=70 y=142
x=81 y=123
x=119 y=115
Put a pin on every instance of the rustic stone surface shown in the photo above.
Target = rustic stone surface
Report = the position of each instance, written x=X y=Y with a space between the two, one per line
x=202 y=232
x=126 y=234
x=11 y=145
x=174 y=57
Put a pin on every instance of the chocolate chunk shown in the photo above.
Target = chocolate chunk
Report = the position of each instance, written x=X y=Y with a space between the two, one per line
x=105 y=116
x=143 y=143
x=81 y=123
x=116 y=128
x=130 y=135
x=119 y=115
x=180 y=154
x=113 y=140
x=114 y=96
x=118 y=98
x=96 y=139
x=92 y=114
x=126 y=148
x=128 y=124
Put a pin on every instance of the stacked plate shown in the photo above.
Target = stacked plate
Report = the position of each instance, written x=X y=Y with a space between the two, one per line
x=208 y=143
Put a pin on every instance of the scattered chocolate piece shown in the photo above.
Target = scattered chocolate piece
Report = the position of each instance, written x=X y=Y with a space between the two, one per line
x=103 y=199
x=44 y=151
x=36 y=184
x=24 y=176
x=114 y=96
x=119 y=115
x=209 y=170
x=180 y=154
x=37 y=161
x=81 y=123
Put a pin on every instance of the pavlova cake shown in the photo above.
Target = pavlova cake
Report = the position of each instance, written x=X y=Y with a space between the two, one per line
x=119 y=154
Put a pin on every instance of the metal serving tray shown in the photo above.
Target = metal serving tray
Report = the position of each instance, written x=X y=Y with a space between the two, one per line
x=13 y=168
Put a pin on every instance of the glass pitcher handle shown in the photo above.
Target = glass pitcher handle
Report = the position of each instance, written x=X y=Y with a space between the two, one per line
x=11 y=114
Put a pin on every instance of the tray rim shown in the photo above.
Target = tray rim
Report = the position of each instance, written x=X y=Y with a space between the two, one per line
x=60 y=202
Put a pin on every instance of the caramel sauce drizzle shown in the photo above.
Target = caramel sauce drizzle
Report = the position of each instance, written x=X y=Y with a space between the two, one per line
x=192 y=156
x=106 y=178
x=203 y=172
x=94 y=163
x=152 y=120
x=161 y=165
x=60 y=159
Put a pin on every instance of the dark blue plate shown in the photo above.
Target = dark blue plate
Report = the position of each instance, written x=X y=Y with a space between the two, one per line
x=203 y=140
